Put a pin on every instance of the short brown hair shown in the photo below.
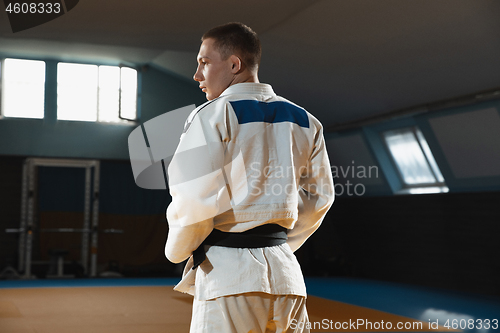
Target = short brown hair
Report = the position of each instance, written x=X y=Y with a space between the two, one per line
x=239 y=39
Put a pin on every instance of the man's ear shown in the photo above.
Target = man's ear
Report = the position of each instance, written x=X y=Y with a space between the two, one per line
x=236 y=64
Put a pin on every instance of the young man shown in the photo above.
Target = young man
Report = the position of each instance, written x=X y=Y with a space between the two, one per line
x=250 y=182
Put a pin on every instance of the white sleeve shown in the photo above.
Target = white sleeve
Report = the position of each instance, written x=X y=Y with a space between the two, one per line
x=316 y=194
x=198 y=189
x=183 y=240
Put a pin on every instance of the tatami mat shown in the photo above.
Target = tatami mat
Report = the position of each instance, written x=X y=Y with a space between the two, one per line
x=149 y=306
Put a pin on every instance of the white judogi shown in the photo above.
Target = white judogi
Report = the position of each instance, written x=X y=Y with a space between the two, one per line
x=246 y=159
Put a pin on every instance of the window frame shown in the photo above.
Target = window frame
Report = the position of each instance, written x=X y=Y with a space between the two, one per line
x=434 y=187
x=125 y=120
x=2 y=87
x=136 y=95
x=121 y=119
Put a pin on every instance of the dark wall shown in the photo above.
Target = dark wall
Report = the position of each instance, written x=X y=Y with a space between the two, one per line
x=440 y=240
x=59 y=203
x=10 y=207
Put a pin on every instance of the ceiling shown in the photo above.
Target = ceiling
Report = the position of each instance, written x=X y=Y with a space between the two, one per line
x=343 y=60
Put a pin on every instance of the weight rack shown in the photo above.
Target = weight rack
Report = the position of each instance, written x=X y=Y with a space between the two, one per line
x=27 y=224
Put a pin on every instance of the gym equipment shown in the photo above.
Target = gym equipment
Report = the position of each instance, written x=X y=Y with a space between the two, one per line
x=56 y=268
x=10 y=271
x=91 y=211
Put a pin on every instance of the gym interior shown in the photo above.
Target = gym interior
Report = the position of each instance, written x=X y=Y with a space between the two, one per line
x=409 y=97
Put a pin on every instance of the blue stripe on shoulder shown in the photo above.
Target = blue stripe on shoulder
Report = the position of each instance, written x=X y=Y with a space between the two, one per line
x=249 y=111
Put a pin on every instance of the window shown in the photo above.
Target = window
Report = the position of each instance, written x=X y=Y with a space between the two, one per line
x=23 y=88
x=417 y=167
x=96 y=93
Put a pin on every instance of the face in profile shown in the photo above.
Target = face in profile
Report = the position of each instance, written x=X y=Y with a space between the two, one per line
x=213 y=73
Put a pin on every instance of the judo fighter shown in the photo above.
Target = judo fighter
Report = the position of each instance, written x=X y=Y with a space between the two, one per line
x=250 y=182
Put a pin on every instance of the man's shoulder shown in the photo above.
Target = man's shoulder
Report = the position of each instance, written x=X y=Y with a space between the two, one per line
x=312 y=119
x=246 y=101
x=220 y=103
x=206 y=108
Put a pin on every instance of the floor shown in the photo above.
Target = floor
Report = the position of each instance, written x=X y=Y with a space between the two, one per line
x=151 y=306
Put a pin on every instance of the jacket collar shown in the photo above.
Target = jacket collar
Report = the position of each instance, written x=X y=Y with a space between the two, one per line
x=249 y=88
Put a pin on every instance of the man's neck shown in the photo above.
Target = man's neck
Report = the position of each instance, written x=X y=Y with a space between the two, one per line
x=245 y=77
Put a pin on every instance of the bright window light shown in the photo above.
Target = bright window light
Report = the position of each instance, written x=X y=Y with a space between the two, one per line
x=109 y=93
x=427 y=190
x=409 y=157
x=77 y=92
x=102 y=93
x=417 y=167
x=23 y=88
x=128 y=101
x=430 y=157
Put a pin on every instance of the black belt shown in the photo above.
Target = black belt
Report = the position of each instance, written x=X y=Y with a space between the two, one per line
x=262 y=236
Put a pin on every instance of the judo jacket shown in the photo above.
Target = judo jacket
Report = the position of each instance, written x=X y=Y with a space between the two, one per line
x=247 y=158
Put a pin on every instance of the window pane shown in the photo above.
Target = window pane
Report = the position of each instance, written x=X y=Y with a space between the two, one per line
x=129 y=93
x=430 y=157
x=109 y=93
x=77 y=92
x=23 y=88
x=409 y=157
